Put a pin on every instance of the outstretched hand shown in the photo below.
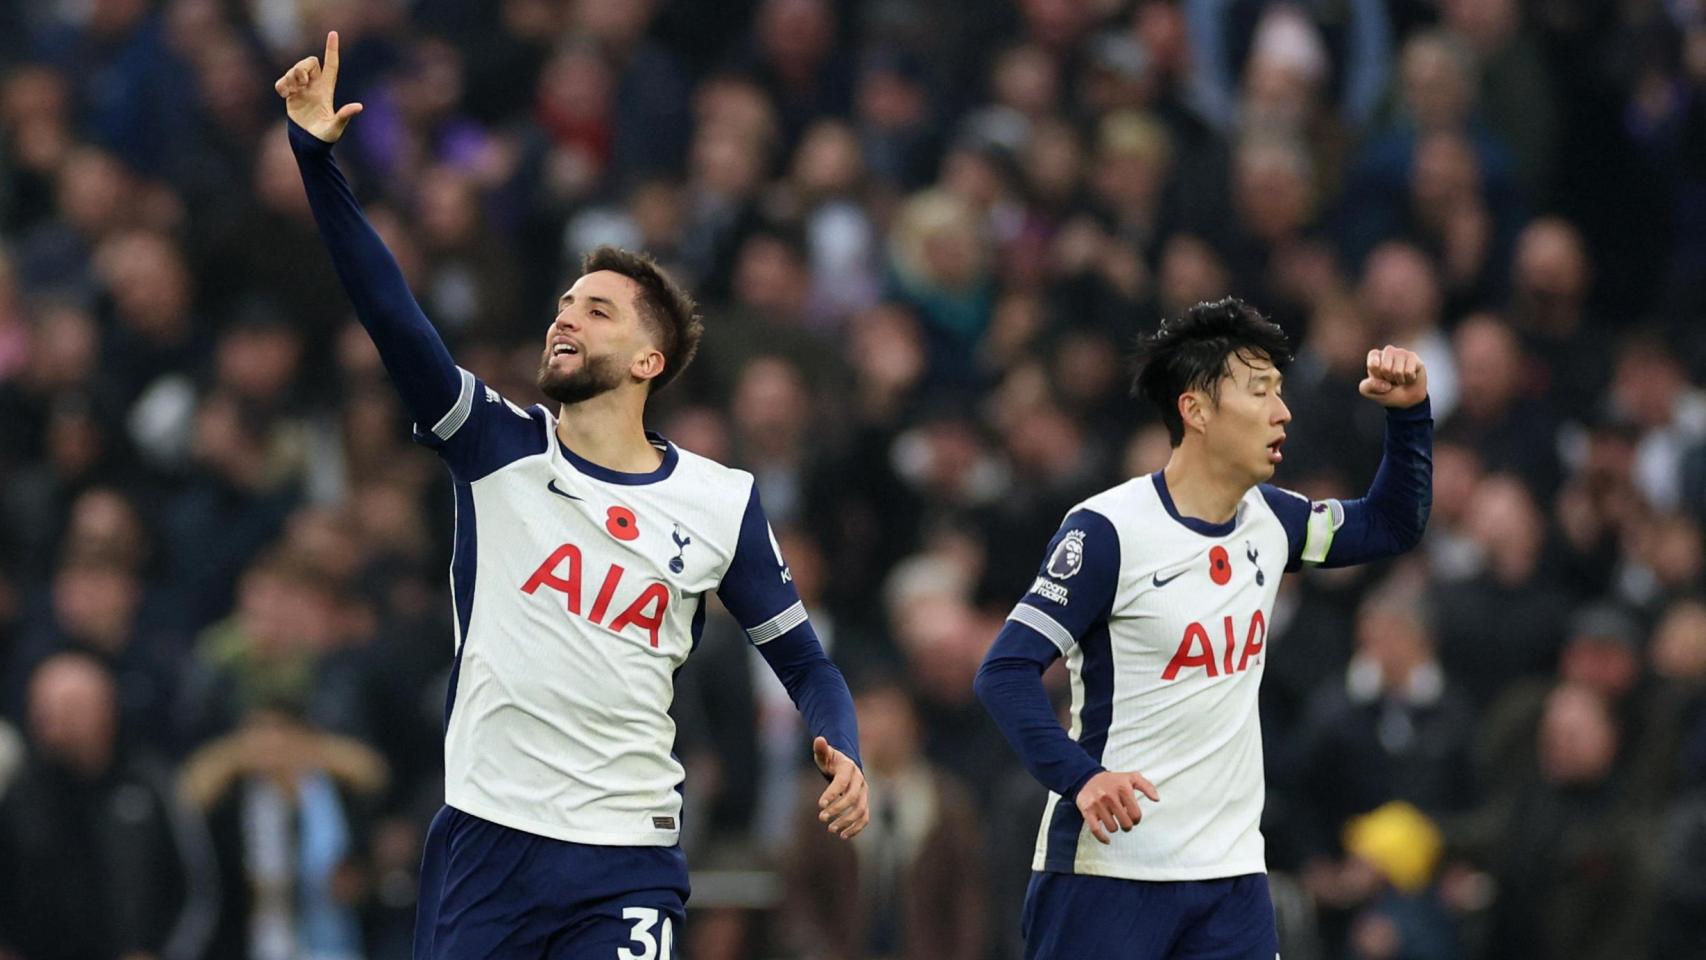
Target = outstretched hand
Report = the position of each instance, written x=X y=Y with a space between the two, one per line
x=1396 y=378
x=307 y=91
x=844 y=806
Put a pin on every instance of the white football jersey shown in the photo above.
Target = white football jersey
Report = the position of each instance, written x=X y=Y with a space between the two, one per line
x=579 y=591
x=1163 y=622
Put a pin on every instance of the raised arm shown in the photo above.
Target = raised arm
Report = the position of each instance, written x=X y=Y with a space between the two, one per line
x=1390 y=518
x=413 y=353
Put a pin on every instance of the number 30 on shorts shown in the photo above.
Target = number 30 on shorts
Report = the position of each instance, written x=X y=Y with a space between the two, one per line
x=652 y=947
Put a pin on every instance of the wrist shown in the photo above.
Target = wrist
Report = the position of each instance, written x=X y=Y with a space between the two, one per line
x=1420 y=410
x=1084 y=778
x=302 y=140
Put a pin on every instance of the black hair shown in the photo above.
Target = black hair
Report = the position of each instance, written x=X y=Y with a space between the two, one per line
x=663 y=304
x=1194 y=351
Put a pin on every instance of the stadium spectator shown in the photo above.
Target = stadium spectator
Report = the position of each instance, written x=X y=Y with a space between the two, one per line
x=1508 y=431
x=1401 y=298
x=1392 y=728
x=284 y=806
x=100 y=859
x=1505 y=623
x=914 y=888
x=1570 y=849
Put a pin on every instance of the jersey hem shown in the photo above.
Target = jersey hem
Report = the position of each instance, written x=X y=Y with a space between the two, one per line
x=653 y=838
x=1219 y=871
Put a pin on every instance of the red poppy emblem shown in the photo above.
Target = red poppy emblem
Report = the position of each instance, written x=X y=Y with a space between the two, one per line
x=1219 y=566
x=621 y=524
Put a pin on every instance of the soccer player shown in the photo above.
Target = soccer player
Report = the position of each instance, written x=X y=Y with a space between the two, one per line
x=585 y=549
x=1158 y=592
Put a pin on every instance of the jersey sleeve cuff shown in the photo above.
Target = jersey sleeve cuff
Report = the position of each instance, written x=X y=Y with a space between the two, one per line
x=1420 y=411
x=1083 y=778
x=304 y=142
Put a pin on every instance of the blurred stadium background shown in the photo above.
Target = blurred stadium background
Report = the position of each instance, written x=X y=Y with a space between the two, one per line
x=925 y=233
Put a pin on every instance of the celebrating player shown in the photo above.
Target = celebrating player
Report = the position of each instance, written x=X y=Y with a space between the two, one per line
x=585 y=549
x=1158 y=592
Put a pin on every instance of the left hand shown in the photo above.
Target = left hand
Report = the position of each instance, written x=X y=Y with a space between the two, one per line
x=844 y=805
x=1396 y=378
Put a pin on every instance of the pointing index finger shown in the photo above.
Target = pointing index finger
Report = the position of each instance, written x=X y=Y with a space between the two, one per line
x=331 y=59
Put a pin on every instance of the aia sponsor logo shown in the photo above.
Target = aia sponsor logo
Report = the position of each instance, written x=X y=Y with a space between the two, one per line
x=1197 y=649
x=561 y=572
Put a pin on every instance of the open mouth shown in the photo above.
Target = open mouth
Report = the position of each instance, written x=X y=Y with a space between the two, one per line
x=563 y=348
x=1274 y=454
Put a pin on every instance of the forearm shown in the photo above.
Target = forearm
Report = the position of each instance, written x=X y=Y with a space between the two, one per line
x=816 y=686
x=1010 y=684
x=413 y=353
x=1390 y=519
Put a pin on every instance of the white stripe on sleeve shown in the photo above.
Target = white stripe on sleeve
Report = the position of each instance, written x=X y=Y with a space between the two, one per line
x=451 y=422
x=1044 y=624
x=778 y=625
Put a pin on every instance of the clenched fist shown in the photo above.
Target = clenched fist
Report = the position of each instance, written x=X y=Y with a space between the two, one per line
x=1396 y=378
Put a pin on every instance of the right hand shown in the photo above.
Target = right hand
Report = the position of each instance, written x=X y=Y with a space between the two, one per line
x=307 y=92
x=1108 y=802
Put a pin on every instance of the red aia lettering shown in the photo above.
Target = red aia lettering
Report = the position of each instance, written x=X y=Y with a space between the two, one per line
x=655 y=594
x=546 y=576
x=646 y=611
x=1196 y=650
x=1195 y=636
x=601 y=606
x=1255 y=640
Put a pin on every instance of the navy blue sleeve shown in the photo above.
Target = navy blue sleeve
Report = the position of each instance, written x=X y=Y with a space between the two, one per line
x=484 y=431
x=472 y=428
x=758 y=589
x=1386 y=521
x=1074 y=590
x=431 y=386
x=1293 y=512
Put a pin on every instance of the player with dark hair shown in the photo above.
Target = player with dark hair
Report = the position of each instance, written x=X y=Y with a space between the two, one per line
x=1158 y=592
x=584 y=552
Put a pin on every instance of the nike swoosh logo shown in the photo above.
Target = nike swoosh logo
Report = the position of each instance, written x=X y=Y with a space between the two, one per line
x=1162 y=583
x=551 y=485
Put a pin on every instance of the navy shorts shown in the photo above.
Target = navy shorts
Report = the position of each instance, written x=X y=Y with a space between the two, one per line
x=488 y=891
x=1068 y=917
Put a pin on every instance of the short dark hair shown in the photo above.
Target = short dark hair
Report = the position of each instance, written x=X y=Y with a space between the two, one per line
x=1194 y=351
x=671 y=312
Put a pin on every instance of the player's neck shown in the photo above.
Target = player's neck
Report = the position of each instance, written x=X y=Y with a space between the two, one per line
x=610 y=431
x=1202 y=489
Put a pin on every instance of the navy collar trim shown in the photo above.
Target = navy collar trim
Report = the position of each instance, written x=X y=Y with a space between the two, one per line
x=1195 y=524
x=670 y=458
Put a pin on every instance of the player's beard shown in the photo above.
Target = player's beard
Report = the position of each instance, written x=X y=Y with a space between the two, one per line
x=596 y=375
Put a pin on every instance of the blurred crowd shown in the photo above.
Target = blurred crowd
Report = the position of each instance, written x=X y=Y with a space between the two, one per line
x=925 y=234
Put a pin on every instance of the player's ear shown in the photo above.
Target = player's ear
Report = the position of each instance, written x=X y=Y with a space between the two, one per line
x=648 y=364
x=1193 y=409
